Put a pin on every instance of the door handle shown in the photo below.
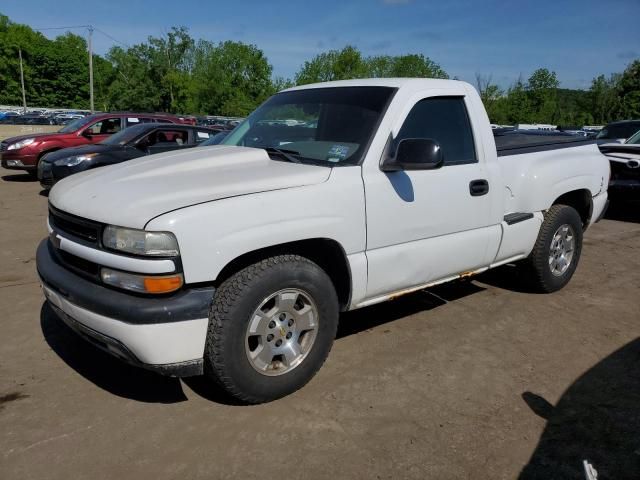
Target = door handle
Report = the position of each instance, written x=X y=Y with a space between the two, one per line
x=478 y=188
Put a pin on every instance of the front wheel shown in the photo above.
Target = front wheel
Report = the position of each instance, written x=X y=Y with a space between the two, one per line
x=271 y=327
x=556 y=253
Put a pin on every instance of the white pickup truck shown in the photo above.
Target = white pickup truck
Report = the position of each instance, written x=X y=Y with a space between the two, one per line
x=234 y=261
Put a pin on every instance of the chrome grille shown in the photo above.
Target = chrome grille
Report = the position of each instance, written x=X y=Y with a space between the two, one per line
x=76 y=227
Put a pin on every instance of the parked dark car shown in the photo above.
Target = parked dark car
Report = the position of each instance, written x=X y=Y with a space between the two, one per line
x=618 y=131
x=133 y=142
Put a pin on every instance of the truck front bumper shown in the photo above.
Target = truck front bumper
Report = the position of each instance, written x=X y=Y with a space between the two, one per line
x=165 y=334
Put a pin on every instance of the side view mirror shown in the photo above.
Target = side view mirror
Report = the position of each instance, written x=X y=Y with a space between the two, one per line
x=415 y=154
x=87 y=133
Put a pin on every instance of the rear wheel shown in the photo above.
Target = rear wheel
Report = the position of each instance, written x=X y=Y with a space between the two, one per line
x=556 y=253
x=271 y=327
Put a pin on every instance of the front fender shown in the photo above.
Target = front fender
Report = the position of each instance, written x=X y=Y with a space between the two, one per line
x=212 y=234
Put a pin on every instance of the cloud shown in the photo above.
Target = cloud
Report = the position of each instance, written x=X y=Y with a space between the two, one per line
x=628 y=55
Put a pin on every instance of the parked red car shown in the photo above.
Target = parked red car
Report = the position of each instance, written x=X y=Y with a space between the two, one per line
x=25 y=151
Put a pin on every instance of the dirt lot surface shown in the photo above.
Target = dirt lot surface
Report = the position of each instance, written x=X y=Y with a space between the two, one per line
x=476 y=380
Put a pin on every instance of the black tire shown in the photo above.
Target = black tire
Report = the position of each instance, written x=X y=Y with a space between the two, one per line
x=226 y=360
x=542 y=277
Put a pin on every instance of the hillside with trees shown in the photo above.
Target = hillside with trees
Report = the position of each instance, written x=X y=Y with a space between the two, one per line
x=180 y=74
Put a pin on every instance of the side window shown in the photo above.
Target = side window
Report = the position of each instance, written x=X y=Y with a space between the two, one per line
x=172 y=137
x=105 y=127
x=445 y=120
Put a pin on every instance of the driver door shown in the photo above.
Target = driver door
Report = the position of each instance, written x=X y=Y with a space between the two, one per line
x=428 y=225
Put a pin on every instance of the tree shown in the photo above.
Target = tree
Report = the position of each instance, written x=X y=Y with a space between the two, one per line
x=413 y=65
x=490 y=94
x=604 y=101
x=542 y=87
x=333 y=65
x=230 y=78
x=133 y=86
x=169 y=57
x=349 y=63
x=628 y=90
x=518 y=103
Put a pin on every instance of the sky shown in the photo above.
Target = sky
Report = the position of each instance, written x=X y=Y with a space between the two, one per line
x=504 y=39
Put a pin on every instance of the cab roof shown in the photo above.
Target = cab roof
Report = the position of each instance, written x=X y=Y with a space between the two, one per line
x=404 y=83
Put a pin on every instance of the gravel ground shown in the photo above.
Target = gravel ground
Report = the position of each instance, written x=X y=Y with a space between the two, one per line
x=477 y=379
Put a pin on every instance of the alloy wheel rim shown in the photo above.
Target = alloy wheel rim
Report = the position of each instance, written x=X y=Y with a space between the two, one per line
x=281 y=332
x=561 y=250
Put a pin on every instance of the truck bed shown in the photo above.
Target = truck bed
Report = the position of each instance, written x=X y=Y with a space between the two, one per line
x=517 y=142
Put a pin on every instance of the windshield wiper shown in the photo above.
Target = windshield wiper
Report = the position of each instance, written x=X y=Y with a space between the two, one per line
x=283 y=153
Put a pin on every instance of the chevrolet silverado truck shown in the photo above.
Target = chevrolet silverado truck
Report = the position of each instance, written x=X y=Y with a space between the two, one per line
x=234 y=261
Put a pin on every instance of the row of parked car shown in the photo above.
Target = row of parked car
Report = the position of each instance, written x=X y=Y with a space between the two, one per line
x=102 y=139
x=40 y=117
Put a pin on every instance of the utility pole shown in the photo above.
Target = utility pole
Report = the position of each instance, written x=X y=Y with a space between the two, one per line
x=90 y=28
x=24 y=97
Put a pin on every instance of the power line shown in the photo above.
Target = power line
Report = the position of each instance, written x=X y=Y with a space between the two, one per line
x=85 y=26
x=109 y=36
x=62 y=28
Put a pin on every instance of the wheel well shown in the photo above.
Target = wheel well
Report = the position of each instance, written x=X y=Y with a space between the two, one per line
x=326 y=253
x=581 y=201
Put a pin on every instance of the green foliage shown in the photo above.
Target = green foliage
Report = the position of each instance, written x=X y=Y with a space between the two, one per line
x=349 y=63
x=628 y=90
x=175 y=73
x=333 y=65
x=229 y=78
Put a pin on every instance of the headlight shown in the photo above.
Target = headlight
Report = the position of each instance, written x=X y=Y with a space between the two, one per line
x=73 y=161
x=21 y=144
x=140 y=242
x=141 y=283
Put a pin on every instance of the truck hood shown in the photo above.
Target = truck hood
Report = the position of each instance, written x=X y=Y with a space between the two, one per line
x=132 y=193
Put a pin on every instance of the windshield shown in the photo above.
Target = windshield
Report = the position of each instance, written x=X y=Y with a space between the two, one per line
x=125 y=136
x=320 y=125
x=76 y=124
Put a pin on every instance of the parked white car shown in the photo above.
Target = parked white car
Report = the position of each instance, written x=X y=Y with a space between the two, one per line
x=235 y=260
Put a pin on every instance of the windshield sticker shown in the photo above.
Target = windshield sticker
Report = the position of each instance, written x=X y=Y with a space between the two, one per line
x=337 y=153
